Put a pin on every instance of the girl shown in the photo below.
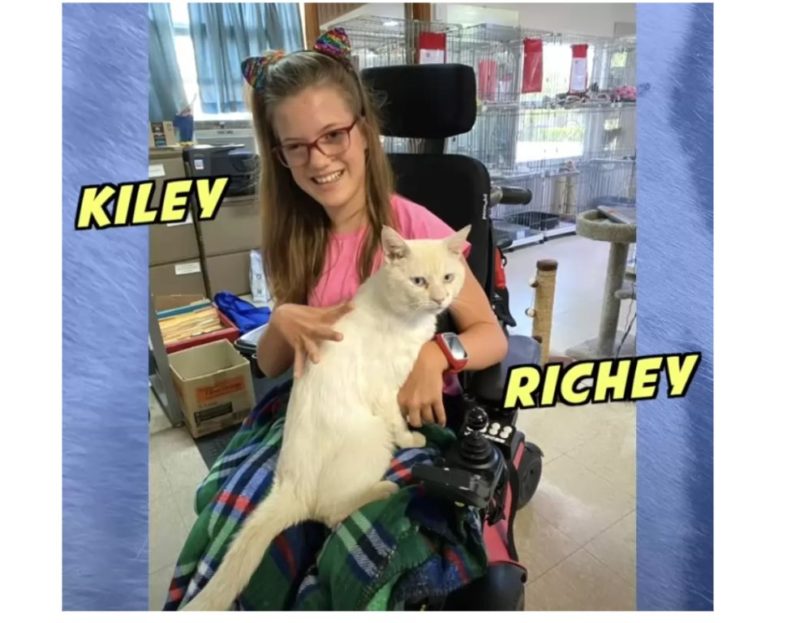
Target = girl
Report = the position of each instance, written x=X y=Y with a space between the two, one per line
x=326 y=191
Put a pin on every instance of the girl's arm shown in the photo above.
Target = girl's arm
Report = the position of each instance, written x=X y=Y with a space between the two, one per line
x=420 y=398
x=477 y=325
x=274 y=353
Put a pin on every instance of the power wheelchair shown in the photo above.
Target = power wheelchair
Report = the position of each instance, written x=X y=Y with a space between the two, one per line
x=492 y=467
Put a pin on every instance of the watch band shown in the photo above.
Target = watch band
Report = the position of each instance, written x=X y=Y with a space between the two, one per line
x=455 y=365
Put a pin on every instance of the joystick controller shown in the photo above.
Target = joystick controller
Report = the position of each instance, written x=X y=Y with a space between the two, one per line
x=472 y=467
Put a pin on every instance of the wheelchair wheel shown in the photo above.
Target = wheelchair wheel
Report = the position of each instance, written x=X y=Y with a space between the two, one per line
x=530 y=473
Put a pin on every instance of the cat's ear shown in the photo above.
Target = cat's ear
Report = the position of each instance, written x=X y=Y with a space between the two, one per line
x=455 y=243
x=394 y=247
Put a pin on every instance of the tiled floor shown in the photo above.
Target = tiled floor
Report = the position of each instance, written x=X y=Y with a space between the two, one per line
x=576 y=537
x=580 y=280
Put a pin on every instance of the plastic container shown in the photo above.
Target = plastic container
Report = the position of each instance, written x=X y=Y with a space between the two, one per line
x=246 y=345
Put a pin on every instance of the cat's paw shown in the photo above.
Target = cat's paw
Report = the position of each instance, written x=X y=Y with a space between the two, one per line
x=410 y=439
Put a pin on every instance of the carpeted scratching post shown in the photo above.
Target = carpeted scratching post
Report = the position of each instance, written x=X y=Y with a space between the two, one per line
x=592 y=224
x=544 y=285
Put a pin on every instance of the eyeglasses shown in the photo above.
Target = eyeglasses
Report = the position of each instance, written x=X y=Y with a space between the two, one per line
x=332 y=143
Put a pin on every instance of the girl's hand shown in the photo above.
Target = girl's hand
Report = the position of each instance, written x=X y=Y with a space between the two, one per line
x=420 y=397
x=304 y=328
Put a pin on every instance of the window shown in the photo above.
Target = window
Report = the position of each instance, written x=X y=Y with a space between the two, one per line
x=184 y=50
x=550 y=134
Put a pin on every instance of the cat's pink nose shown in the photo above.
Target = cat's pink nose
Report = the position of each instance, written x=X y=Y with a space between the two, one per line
x=437 y=300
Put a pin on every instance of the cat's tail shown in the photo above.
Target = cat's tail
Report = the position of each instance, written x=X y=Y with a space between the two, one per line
x=278 y=511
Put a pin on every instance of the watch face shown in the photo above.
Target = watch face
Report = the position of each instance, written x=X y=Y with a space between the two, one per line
x=455 y=346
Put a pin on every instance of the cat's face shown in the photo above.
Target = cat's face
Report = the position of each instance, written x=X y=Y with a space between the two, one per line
x=424 y=275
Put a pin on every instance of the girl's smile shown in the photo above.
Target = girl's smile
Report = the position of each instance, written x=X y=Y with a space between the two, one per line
x=321 y=114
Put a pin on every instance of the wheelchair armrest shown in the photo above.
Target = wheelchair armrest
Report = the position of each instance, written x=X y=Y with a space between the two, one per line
x=248 y=351
x=487 y=385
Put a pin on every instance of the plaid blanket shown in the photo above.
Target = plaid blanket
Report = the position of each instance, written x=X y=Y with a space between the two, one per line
x=404 y=549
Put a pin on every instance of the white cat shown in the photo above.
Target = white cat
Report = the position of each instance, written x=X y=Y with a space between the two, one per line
x=343 y=421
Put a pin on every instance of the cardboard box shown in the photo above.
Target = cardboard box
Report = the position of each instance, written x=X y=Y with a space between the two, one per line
x=175 y=241
x=229 y=273
x=177 y=278
x=214 y=386
x=164 y=164
x=169 y=302
x=162 y=134
x=236 y=227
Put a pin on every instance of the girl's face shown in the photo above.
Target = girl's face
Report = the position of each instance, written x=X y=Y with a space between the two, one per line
x=336 y=182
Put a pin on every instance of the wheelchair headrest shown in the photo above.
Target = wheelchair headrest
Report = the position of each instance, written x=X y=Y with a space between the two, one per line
x=424 y=101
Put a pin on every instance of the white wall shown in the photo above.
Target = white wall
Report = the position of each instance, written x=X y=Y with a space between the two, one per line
x=586 y=19
x=469 y=14
x=379 y=9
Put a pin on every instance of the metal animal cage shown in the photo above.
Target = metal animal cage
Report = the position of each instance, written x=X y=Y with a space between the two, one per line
x=384 y=41
x=560 y=193
x=571 y=149
x=569 y=157
x=495 y=55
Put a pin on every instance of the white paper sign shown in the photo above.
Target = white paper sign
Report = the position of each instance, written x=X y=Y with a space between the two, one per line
x=577 y=82
x=198 y=164
x=156 y=170
x=427 y=57
x=187 y=268
x=186 y=222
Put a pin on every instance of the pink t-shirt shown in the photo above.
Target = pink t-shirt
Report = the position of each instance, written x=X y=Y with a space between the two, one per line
x=339 y=280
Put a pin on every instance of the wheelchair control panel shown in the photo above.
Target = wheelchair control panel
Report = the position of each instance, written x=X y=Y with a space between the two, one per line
x=499 y=433
x=474 y=470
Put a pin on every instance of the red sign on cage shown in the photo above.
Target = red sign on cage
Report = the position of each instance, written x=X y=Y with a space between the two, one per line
x=487 y=80
x=532 y=66
x=578 y=77
x=432 y=48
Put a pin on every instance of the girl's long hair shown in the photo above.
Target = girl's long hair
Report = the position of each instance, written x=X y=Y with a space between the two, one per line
x=295 y=228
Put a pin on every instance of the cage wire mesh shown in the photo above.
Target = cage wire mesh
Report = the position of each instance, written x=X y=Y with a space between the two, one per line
x=573 y=150
x=569 y=157
x=377 y=42
x=494 y=53
x=383 y=41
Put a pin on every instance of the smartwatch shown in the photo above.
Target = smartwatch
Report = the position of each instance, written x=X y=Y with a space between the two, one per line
x=453 y=350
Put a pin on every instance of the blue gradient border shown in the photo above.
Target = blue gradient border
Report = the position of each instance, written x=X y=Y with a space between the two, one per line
x=105 y=429
x=675 y=303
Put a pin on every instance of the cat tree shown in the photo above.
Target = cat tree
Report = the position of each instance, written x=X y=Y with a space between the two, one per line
x=594 y=225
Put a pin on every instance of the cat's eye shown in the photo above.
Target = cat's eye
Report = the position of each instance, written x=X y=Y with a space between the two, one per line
x=449 y=277
x=419 y=281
